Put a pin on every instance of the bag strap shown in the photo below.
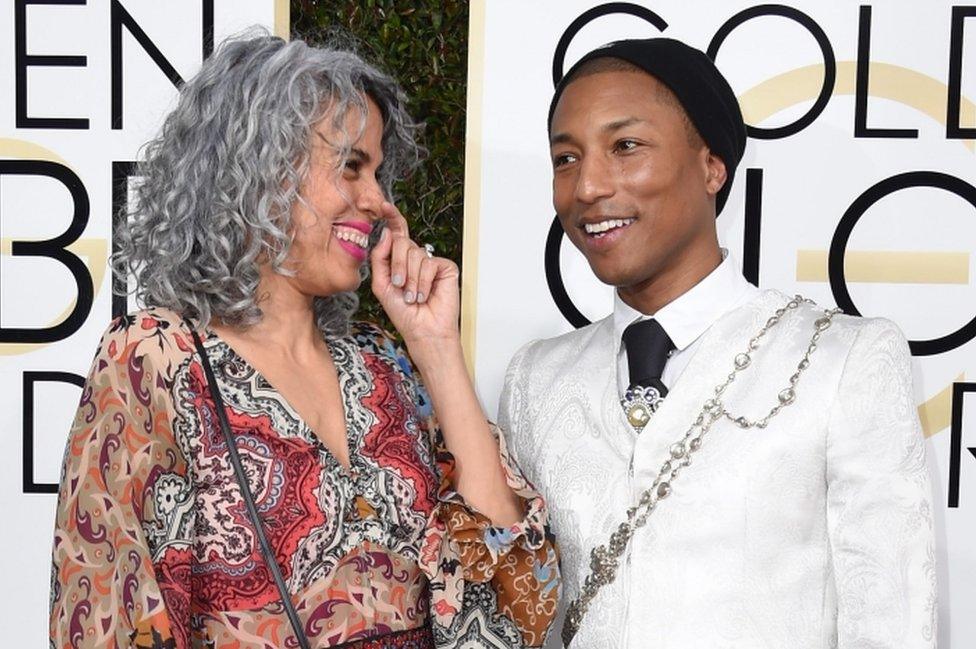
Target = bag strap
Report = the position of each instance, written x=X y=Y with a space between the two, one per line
x=252 y=510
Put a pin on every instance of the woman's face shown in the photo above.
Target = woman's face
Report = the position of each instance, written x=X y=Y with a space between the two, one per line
x=333 y=220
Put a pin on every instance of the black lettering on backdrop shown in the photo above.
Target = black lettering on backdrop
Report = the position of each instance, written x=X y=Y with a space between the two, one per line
x=54 y=249
x=959 y=391
x=122 y=170
x=119 y=18
x=554 y=277
x=753 y=222
x=954 y=131
x=628 y=8
x=30 y=379
x=861 y=88
x=23 y=60
x=208 y=28
x=838 y=248
x=830 y=64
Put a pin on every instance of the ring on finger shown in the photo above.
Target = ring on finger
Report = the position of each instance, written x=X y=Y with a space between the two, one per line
x=429 y=249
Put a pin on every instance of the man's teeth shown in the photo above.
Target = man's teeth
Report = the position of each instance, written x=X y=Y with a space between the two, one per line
x=604 y=226
x=353 y=236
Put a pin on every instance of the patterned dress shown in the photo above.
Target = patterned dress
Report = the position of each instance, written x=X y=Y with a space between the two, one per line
x=153 y=546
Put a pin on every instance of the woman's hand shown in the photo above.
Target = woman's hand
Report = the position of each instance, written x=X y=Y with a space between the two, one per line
x=419 y=293
x=423 y=305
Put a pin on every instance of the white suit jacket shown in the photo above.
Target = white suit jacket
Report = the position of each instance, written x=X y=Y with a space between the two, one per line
x=816 y=532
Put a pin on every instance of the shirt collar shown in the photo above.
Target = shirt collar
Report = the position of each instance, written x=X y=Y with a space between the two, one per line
x=689 y=315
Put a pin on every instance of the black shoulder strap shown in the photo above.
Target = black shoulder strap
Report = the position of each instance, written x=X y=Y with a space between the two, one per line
x=252 y=510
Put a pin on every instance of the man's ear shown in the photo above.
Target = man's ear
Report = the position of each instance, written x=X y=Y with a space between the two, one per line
x=715 y=173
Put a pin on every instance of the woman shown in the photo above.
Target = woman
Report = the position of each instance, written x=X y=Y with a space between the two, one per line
x=387 y=528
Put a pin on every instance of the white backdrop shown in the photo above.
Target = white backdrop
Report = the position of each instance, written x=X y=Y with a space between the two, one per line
x=910 y=257
x=59 y=58
x=911 y=240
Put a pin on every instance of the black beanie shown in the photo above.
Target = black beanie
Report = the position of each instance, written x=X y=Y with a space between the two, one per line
x=700 y=88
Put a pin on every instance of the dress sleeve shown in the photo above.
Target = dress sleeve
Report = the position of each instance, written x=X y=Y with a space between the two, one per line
x=492 y=586
x=879 y=510
x=122 y=473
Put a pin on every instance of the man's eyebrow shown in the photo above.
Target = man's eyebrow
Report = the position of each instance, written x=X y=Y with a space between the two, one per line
x=621 y=123
x=560 y=138
x=563 y=137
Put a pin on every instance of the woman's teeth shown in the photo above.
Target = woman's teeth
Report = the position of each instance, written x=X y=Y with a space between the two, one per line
x=352 y=236
x=606 y=226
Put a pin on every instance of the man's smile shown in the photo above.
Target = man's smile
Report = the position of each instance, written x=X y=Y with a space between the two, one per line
x=601 y=228
x=600 y=234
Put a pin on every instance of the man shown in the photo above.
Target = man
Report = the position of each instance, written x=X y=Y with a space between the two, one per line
x=796 y=513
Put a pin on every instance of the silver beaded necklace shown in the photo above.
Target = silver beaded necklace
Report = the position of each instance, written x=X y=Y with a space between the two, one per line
x=604 y=559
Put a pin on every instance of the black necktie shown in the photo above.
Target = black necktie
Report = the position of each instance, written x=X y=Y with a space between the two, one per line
x=648 y=347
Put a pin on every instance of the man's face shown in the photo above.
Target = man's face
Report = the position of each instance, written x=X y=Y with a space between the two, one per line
x=633 y=190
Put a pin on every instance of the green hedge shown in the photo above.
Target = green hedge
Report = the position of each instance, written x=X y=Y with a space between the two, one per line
x=424 y=45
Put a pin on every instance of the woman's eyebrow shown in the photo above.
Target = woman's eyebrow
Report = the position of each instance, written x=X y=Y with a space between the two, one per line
x=361 y=155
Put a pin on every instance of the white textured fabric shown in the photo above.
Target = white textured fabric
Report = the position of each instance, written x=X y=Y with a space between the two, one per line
x=685 y=318
x=813 y=533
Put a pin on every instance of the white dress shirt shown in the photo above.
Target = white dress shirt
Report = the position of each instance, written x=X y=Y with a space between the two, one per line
x=686 y=318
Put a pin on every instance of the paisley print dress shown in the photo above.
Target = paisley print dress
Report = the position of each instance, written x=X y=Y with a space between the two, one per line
x=153 y=546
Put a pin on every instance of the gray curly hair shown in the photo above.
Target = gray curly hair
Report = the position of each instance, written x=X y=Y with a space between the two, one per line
x=220 y=179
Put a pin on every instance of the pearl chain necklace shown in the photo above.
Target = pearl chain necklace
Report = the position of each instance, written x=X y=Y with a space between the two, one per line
x=604 y=559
